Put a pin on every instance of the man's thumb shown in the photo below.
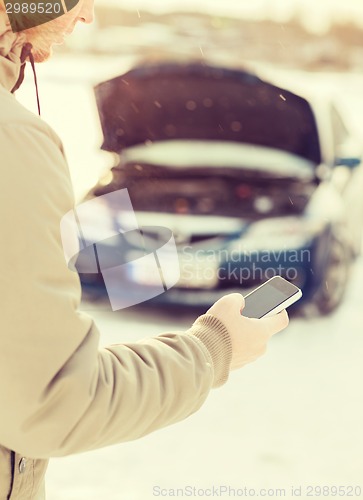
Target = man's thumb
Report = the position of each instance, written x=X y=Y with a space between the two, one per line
x=230 y=302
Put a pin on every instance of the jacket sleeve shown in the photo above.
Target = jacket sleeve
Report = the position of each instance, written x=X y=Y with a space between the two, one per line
x=59 y=392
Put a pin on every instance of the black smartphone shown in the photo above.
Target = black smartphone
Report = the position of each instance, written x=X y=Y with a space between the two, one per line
x=270 y=298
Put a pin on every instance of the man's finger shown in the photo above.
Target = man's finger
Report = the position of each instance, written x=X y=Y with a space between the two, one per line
x=276 y=323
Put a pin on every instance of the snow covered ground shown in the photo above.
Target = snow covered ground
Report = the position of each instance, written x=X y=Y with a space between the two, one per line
x=292 y=419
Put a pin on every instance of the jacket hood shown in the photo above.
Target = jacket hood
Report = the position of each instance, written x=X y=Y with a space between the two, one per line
x=11 y=46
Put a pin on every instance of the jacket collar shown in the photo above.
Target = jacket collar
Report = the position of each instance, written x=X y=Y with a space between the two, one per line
x=11 y=48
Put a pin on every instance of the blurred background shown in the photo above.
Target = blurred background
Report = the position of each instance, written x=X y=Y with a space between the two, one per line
x=291 y=423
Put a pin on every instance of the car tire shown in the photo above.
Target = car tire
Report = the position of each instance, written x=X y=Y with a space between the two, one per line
x=335 y=279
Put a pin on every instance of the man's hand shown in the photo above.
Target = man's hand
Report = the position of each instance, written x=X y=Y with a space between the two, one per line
x=249 y=336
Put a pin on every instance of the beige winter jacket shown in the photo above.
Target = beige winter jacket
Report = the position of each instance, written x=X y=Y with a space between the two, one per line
x=59 y=392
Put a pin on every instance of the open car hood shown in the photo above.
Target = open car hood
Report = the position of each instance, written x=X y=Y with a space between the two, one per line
x=199 y=102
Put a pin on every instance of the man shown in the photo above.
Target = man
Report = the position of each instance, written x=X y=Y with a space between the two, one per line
x=59 y=392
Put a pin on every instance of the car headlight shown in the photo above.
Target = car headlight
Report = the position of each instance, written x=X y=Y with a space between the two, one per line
x=279 y=233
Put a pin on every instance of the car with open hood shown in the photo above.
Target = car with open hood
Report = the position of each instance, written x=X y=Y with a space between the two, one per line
x=252 y=178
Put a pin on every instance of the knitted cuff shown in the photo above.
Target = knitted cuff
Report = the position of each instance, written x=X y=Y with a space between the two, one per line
x=215 y=337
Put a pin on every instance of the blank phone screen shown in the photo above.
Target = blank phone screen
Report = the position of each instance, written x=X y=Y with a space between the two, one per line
x=263 y=300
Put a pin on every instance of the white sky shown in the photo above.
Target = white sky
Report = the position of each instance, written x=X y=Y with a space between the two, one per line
x=316 y=13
